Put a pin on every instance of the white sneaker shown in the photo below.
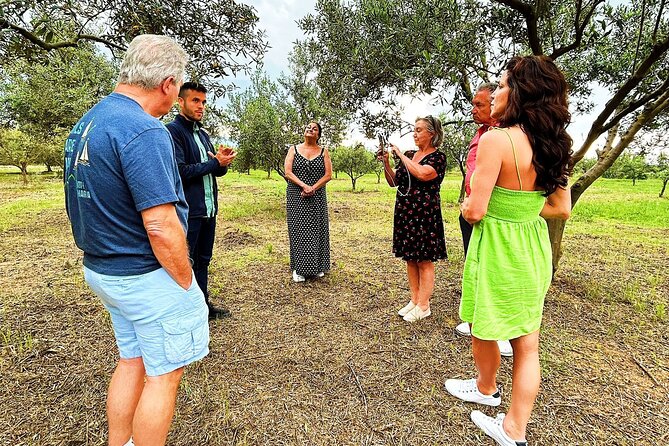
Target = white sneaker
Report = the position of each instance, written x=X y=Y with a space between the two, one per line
x=321 y=274
x=129 y=443
x=467 y=390
x=297 y=277
x=405 y=309
x=505 y=349
x=417 y=314
x=494 y=428
x=463 y=329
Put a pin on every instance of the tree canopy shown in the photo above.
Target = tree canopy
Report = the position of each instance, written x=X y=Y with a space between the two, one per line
x=47 y=97
x=354 y=161
x=367 y=50
x=268 y=116
x=221 y=35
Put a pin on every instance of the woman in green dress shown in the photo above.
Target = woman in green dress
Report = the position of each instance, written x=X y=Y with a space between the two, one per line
x=520 y=178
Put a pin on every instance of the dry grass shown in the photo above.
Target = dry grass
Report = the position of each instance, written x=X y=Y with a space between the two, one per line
x=327 y=362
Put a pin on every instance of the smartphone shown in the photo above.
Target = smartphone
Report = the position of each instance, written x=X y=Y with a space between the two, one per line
x=383 y=143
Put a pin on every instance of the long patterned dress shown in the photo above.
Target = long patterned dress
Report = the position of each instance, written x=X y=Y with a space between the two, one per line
x=307 y=218
x=418 y=231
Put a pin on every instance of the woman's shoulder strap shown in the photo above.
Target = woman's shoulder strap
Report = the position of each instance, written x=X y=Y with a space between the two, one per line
x=513 y=148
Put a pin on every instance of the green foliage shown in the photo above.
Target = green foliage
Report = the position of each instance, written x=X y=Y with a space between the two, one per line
x=47 y=97
x=631 y=167
x=256 y=117
x=364 y=49
x=269 y=116
x=221 y=36
x=58 y=90
x=458 y=133
x=309 y=103
x=372 y=50
x=584 y=165
x=16 y=149
x=661 y=171
x=354 y=161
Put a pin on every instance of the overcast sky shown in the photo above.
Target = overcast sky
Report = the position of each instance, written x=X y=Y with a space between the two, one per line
x=278 y=19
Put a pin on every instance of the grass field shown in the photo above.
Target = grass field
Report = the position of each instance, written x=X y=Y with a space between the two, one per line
x=327 y=362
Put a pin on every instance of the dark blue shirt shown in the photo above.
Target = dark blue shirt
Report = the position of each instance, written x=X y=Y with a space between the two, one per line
x=119 y=161
x=193 y=168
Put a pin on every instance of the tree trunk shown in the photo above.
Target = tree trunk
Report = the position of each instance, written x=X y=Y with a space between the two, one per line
x=353 y=180
x=24 y=173
x=555 y=231
x=664 y=186
x=607 y=156
x=48 y=168
x=462 y=185
x=633 y=181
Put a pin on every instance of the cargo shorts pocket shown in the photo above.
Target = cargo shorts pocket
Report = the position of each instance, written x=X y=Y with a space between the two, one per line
x=185 y=336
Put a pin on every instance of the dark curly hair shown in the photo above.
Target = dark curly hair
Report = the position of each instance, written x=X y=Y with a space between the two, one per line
x=537 y=102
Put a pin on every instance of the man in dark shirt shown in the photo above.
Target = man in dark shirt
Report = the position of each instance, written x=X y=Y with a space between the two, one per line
x=199 y=165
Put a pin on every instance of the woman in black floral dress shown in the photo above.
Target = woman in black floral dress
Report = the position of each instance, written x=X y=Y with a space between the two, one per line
x=418 y=233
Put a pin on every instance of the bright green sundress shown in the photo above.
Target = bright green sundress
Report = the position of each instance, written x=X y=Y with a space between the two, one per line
x=508 y=267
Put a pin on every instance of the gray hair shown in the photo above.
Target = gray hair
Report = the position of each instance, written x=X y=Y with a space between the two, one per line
x=434 y=126
x=150 y=59
x=490 y=86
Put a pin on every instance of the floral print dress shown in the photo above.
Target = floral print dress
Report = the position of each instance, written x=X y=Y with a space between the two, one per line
x=418 y=232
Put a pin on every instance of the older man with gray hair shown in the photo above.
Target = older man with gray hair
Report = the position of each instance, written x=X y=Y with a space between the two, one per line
x=126 y=206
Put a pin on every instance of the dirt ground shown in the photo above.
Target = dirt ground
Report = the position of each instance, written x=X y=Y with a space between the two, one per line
x=328 y=362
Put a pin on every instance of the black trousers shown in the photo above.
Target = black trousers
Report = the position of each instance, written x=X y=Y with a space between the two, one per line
x=200 y=239
x=466 y=230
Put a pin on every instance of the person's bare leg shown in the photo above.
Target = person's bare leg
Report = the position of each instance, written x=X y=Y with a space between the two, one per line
x=525 y=384
x=414 y=280
x=125 y=389
x=486 y=359
x=156 y=408
x=426 y=284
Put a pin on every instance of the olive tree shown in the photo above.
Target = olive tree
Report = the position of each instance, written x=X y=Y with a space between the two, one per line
x=372 y=50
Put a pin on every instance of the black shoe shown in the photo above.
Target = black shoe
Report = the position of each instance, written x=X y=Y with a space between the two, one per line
x=218 y=313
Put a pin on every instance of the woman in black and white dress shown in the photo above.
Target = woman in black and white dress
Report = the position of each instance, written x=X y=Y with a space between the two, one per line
x=308 y=168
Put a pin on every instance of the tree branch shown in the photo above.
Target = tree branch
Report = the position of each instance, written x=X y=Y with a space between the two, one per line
x=579 y=29
x=658 y=21
x=597 y=127
x=636 y=104
x=32 y=38
x=608 y=158
x=638 y=41
x=531 y=20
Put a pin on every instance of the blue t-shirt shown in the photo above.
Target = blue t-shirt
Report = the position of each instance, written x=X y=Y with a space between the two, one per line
x=119 y=161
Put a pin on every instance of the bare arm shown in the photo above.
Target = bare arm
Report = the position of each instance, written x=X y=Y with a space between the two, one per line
x=328 y=171
x=168 y=241
x=488 y=166
x=419 y=171
x=558 y=204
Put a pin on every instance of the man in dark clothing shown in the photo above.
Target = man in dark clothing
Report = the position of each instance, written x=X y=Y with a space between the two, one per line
x=199 y=164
